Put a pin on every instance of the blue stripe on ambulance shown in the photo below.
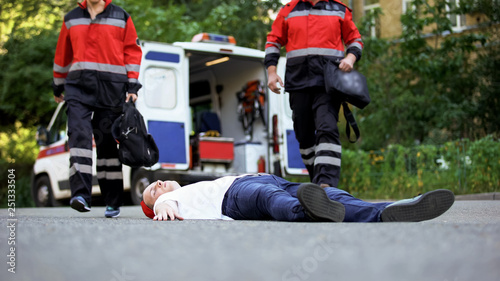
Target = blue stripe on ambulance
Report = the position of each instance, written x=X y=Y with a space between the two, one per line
x=165 y=57
x=294 y=158
x=170 y=139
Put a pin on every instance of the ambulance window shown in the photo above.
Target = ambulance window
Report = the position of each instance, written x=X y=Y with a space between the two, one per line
x=160 y=87
x=58 y=130
x=288 y=110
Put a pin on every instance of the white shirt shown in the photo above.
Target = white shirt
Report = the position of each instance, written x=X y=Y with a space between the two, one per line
x=201 y=200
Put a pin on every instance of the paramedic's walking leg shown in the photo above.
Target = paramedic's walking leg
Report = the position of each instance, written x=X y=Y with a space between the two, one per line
x=109 y=167
x=303 y=126
x=328 y=148
x=315 y=117
x=80 y=151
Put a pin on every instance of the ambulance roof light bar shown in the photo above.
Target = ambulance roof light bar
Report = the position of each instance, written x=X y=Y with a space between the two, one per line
x=213 y=38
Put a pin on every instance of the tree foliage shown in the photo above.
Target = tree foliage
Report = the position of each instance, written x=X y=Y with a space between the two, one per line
x=28 y=36
x=429 y=87
x=25 y=93
x=170 y=21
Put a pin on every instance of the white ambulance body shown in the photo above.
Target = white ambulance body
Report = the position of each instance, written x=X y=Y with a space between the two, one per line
x=184 y=85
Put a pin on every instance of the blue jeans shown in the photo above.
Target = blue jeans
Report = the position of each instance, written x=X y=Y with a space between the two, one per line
x=268 y=197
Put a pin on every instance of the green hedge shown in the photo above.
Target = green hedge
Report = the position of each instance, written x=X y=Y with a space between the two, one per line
x=400 y=172
x=18 y=151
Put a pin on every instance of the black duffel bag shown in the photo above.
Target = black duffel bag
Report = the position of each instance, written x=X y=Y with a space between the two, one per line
x=351 y=88
x=136 y=148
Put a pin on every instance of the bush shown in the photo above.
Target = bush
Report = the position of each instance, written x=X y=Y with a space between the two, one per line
x=18 y=153
x=400 y=172
x=485 y=166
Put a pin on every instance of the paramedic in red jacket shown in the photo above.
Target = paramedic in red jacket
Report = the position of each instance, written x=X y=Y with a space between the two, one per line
x=313 y=31
x=97 y=65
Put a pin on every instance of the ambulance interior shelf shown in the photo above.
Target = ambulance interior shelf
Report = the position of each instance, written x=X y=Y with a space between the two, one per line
x=207 y=145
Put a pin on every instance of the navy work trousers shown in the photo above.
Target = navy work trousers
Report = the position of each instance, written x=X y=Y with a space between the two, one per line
x=84 y=122
x=315 y=117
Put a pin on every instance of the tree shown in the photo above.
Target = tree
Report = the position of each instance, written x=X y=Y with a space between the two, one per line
x=180 y=20
x=423 y=90
x=247 y=21
x=25 y=94
x=486 y=71
x=155 y=21
x=27 y=43
x=29 y=16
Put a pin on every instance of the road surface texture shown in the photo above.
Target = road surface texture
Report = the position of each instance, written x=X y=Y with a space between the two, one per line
x=61 y=244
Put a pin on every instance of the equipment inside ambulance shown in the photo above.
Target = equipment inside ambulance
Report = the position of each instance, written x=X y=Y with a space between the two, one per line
x=251 y=102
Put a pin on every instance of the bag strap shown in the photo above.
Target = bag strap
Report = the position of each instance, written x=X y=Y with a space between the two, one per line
x=127 y=120
x=351 y=122
x=139 y=121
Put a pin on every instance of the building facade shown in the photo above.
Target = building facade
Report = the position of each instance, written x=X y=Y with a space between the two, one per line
x=389 y=24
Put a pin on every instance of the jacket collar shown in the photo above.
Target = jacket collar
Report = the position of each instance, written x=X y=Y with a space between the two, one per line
x=311 y=1
x=83 y=4
x=338 y=1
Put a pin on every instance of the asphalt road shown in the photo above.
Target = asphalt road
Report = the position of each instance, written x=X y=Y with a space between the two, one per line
x=62 y=244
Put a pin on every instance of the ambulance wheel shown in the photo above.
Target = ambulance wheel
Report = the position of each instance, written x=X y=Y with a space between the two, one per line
x=42 y=192
x=140 y=181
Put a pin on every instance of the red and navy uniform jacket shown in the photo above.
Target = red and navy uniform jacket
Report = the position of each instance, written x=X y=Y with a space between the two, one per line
x=311 y=34
x=97 y=61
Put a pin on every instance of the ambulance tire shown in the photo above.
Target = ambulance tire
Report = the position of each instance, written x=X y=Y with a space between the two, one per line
x=42 y=193
x=140 y=181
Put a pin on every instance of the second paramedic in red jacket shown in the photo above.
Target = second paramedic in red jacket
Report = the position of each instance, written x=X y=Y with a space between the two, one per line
x=97 y=65
x=313 y=31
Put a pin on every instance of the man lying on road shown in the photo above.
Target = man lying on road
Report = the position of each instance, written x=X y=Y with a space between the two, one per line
x=268 y=197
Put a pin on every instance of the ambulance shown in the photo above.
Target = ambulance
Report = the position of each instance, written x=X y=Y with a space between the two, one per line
x=207 y=105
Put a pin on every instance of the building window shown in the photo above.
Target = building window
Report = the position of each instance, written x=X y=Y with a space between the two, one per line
x=160 y=88
x=369 y=6
x=408 y=6
x=457 y=20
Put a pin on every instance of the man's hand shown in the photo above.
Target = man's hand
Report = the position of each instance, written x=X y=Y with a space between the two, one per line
x=273 y=78
x=59 y=99
x=347 y=64
x=165 y=210
x=132 y=97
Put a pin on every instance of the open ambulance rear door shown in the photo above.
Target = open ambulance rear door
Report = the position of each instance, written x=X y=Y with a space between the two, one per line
x=289 y=146
x=164 y=108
